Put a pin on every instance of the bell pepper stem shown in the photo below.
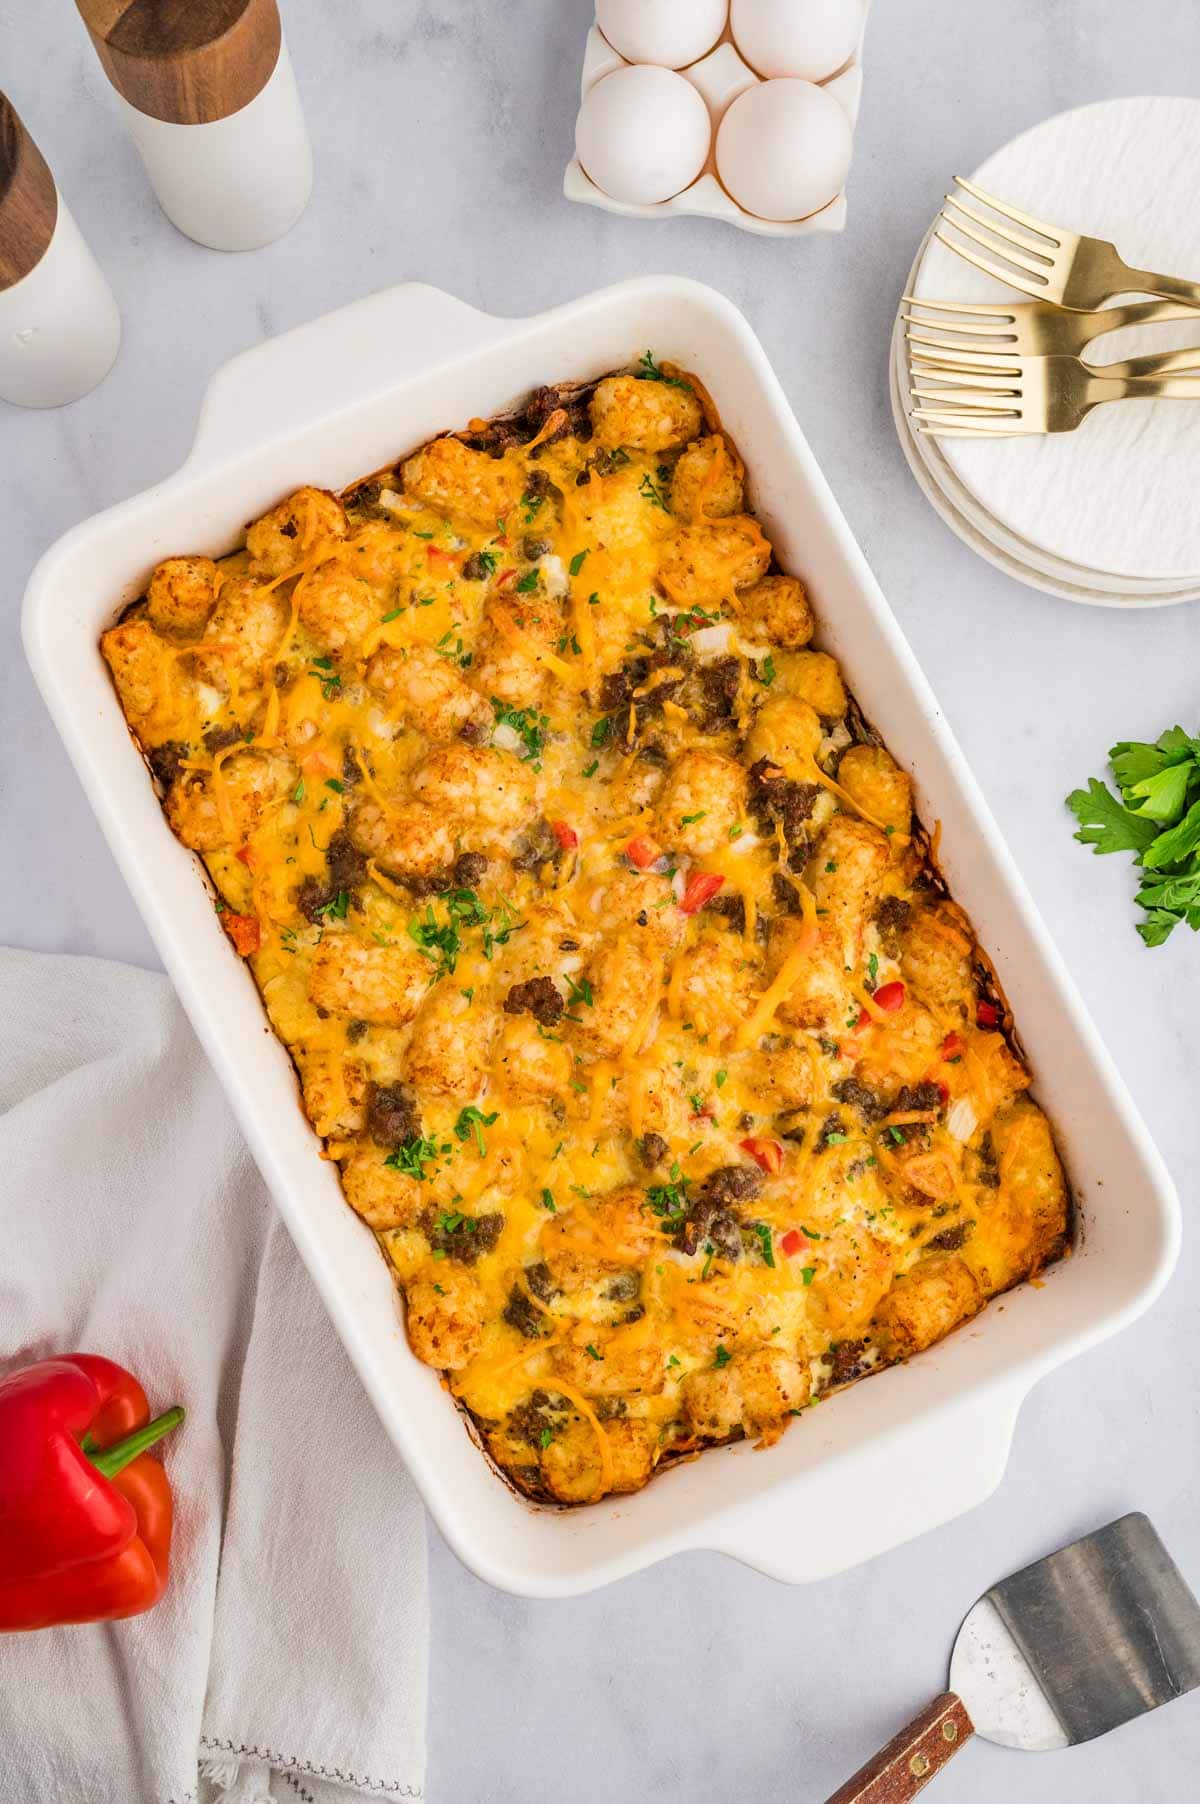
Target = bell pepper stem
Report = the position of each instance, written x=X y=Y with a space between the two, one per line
x=111 y=1460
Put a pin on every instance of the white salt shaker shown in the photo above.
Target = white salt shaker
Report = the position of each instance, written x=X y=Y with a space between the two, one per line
x=209 y=98
x=59 y=326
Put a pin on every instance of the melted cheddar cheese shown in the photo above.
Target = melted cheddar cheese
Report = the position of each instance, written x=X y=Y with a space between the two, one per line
x=618 y=977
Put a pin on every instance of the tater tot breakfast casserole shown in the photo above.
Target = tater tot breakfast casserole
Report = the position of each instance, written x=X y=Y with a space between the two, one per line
x=620 y=979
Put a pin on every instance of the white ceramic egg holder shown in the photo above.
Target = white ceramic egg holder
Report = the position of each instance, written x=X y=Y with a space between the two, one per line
x=719 y=77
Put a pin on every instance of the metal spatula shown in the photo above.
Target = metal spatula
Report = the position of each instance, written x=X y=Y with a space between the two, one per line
x=1062 y=1651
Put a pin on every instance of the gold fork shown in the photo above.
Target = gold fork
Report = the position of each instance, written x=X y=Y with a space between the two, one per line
x=1029 y=395
x=1044 y=260
x=928 y=360
x=1024 y=328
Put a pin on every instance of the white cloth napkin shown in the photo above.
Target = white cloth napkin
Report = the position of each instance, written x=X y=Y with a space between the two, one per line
x=288 y=1657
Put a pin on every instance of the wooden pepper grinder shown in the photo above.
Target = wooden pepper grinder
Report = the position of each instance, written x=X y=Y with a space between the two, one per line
x=208 y=95
x=59 y=325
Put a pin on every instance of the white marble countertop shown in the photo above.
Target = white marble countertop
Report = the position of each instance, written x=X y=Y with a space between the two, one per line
x=440 y=133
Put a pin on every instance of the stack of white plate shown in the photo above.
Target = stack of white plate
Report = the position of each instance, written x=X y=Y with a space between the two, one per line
x=1110 y=513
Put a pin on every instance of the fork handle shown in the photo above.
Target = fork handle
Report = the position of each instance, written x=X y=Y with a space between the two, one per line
x=1166 y=388
x=1159 y=364
x=1170 y=288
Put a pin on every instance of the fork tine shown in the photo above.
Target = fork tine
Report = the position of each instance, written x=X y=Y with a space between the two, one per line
x=960 y=347
x=966 y=419
x=997 y=242
x=951 y=361
x=944 y=333
x=1053 y=233
x=1043 y=252
x=976 y=309
x=980 y=431
x=967 y=390
x=1011 y=278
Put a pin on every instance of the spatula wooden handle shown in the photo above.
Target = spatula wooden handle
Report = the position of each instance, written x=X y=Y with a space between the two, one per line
x=910 y=1759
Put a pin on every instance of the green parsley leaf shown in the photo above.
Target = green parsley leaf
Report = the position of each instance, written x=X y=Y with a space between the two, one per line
x=592 y=1353
x=1105 y=824
x=600 y=732
x=392 y=614
x=808 y=1273
x=413 y=1157
x=529 y=724
x=766 y=1242
x=766 y=671
x=299 y=793
x=649 y=491
x=649 y=371
x=528 y=582
x=547 y=1201
x=336 y=909
x=723 y=1357
x=576 y=563
x=473 y=1121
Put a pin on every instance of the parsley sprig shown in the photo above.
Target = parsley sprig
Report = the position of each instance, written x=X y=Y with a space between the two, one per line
x=1157 y=819
x=529 y=724
x=649 y=371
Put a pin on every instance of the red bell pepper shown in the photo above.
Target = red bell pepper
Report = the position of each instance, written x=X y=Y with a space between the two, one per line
x=889 y=997
x=85 y=1511
x=244 y=930
x=767 y=1154
x=565 y=834
x=701 y=888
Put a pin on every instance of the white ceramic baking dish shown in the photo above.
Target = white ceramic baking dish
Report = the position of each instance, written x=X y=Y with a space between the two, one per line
x=891 y=1457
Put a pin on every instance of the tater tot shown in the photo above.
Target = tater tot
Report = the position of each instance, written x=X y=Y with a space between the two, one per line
x=644 y=416
x=284 y=536
x=938 y=1293
x=181 y=596
x=463 y=482
x=707 y=481
x=383 y=984
x=445 y=1317
x=702 y=801
x=702 y=566
x=777 y=607
x=336 y=606
x=787 y=732
x=872 y=777
x=813 y=677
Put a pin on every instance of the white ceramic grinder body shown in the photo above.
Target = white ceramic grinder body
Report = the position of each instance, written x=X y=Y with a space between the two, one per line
x=59 y=326
x=210 y=100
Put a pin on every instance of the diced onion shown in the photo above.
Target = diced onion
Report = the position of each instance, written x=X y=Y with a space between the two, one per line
x=712 y=641
x=394 y=501
x=678 y=885
x=961 y=1119
x=745 y=842
x=554 y=576
x=507 y=738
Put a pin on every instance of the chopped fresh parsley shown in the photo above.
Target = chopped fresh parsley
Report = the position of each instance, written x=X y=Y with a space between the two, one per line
x=592 y=1353
x=529 y=724
x=689 y=820
x=600 y=732
x=547 y=1201
x=649 y=371
x=808 y=1273
x=872 y=969
x=580 y=992
x=337 y=786
x=576 y=564
x=766 y=1242
x=766 y=671
x=336 y=908
x=545 y=1438
x=473 y=1121
x=723 y=1357
x=669 y=1202
x=392 y=614
x=414 y=1156
x=528 y=582
x=441 y=939
x=649 y=490
x=1157 y=819
x=720 y=1078
x=591 y=769
x=298 y=794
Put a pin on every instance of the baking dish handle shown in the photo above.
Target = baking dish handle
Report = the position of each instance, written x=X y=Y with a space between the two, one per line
x=333 y=363
x=939 y=1467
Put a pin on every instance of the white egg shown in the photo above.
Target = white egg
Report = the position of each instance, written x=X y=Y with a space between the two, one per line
x=643 y=134
x=783 y=149
x=808 y=38
x=668 y=32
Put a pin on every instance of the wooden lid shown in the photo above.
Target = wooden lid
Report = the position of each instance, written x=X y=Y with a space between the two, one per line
x=189 y=62
x=28 y=199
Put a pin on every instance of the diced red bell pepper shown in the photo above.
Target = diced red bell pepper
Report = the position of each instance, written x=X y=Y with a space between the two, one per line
x=987 y=1015
x=85 y=1510
x=794 y=1242
x=566 y=836
x=244 y=930
x=504 y=578
x=701 y=888
x=943 y=1091
x=952 y=1047
x=436 y=555
x=642 y=852
x=246 y=855
x=767 y=1154
x=890 y=997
